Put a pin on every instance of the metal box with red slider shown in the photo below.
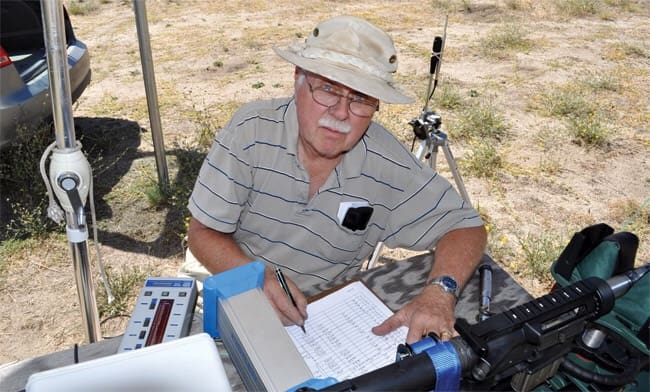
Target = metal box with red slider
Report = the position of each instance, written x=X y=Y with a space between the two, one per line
x=162 y=313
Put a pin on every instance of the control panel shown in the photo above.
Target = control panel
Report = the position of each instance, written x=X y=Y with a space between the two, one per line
x=162 y=313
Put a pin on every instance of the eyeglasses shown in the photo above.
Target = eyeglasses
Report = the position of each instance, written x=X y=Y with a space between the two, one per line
x=326 y=95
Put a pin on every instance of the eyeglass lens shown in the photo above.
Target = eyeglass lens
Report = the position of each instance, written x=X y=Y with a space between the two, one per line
x=326 y=96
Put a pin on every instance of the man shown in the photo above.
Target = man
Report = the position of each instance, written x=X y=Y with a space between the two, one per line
x=310 y=184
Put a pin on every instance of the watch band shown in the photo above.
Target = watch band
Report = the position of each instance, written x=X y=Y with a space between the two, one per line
x=447 y=283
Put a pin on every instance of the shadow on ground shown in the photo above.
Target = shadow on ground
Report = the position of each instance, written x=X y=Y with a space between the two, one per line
x=123 y=175
x=127 y=218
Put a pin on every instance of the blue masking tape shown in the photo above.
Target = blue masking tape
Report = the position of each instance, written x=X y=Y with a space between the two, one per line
x=225 y=285
x=314 y=384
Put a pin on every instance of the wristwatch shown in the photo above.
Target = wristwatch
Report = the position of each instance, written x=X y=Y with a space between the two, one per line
x=447 y=283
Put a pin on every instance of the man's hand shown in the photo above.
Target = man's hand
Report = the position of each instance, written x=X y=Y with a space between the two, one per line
x=219 y=252
x=457 y=254
x=431 y=311
x=280 y=301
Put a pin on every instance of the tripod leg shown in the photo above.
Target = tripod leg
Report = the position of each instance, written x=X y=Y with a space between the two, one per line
x=433 y=157
x=375 y=255
x=454 y=171
x=421 y=153
x=427 y=150
x=424 y=147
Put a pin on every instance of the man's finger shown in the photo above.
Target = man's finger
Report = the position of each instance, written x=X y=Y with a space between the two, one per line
x=388 y=326
x=295 y=316
x=285 y=309
x=414 y=334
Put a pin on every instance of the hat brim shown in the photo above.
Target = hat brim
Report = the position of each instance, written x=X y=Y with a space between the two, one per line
x=350 y=77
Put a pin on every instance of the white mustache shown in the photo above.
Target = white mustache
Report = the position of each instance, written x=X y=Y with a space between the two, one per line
x=334 y=124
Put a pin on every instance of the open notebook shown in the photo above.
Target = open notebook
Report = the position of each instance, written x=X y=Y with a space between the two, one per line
x=339 y=342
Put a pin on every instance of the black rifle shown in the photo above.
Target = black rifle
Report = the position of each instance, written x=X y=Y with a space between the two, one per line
x=524 y=345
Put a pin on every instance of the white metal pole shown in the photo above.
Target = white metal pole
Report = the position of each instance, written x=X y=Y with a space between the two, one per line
x=150 y=89
x=69 y=169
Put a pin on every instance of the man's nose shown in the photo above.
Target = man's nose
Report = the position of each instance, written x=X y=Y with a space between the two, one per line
x=340 y=110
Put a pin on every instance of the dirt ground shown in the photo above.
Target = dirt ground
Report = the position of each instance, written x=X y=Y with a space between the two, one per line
x=209 y=57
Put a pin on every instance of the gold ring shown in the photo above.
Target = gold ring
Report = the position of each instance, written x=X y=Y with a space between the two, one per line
x=444 y=333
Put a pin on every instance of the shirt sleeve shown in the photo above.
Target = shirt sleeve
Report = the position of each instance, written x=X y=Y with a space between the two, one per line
x=430 y=208
x=224 y=182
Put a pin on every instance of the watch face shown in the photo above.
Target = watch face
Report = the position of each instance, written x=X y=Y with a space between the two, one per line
x=449 y=282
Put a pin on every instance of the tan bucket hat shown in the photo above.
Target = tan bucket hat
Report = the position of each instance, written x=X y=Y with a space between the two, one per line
x=353 y=52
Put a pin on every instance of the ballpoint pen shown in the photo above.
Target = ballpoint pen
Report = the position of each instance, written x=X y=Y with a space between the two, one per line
x=285 y=287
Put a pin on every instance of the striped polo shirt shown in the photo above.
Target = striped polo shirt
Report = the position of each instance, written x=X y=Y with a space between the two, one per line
x=253 y=185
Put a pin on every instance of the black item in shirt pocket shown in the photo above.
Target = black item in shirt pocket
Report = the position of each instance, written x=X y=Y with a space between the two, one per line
x=357 y=218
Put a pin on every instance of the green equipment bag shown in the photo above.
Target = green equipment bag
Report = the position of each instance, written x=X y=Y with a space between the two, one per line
x=598 y=251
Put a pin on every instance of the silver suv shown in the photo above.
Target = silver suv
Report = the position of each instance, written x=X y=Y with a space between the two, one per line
x=24 y=84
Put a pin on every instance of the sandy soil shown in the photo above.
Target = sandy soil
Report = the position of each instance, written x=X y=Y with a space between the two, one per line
x=210 y=57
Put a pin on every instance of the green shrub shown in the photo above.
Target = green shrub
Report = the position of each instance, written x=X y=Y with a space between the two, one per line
x=506 y=39
x=566 y=101
x=577 y=8
x=483 y=161
x=81 y=7
x=125 y=287
x=23 y=197
x=633 y=217
x=480 y=122
x=574 y=104
x=588 y=130
x=539 y=251
x=448 y=97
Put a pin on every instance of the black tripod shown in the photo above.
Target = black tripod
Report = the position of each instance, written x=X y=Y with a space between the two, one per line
x=426 y=130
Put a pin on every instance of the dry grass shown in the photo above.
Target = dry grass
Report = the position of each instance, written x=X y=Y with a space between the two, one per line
x=517 y=58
